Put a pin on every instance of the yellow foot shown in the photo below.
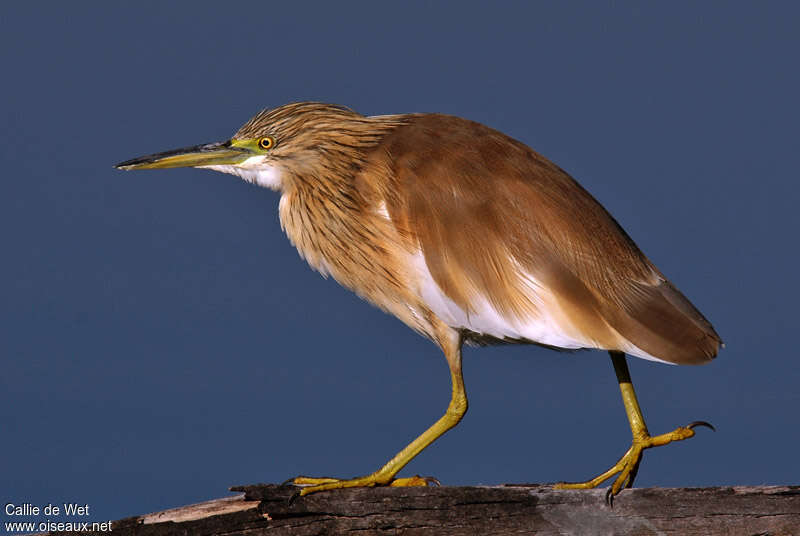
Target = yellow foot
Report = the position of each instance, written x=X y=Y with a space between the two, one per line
x=313 y=485
x=628 y=465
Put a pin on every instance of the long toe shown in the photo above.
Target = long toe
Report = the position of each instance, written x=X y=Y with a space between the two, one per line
x=627 y=466
x=314 y=485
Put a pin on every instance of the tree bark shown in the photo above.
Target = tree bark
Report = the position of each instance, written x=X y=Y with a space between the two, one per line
x=266 y=509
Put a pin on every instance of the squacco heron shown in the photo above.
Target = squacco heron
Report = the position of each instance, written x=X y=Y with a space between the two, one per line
x=467 y=236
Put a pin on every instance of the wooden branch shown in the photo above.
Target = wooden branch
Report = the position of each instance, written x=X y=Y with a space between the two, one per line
x=512 y=509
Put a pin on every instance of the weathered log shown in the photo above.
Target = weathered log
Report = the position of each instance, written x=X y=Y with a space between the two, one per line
x=500 y=510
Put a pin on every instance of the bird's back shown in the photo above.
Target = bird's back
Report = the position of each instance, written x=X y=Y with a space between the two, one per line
x=512 y=248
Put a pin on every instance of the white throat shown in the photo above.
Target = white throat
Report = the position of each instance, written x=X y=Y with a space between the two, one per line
x=253 y=170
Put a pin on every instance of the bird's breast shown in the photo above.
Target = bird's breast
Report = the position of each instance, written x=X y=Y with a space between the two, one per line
x=361 y=249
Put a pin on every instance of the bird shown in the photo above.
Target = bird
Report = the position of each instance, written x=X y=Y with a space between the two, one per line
x=467 y=236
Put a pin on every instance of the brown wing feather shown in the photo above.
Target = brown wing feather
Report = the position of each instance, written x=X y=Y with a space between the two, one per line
x=477 y=202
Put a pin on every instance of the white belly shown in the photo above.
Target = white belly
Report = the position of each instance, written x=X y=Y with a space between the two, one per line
x=548 y=326
x=485 y=319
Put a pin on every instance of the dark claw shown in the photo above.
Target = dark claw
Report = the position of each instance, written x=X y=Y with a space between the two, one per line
x=701 y=423
x=610 y=498
x=287 y=482
x=293 y=497
x=431 y=480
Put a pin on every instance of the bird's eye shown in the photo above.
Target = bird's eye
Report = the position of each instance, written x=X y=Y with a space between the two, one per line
x=267 y=142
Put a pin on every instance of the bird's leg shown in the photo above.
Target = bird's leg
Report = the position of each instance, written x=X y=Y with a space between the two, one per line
x=628 y=465
x=385 y=475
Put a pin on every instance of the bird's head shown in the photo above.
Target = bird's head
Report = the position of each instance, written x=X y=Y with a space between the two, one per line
x=299 y=140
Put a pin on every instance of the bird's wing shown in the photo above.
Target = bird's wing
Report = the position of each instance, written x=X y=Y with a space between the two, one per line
x=502 y=229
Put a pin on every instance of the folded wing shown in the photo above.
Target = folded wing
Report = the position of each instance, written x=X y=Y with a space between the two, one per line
x=514 y=248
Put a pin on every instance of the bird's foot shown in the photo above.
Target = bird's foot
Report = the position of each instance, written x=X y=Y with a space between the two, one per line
x=313 y=485
x=628 y=465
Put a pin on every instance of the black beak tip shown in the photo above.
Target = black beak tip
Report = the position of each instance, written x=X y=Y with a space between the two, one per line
x=127 y=164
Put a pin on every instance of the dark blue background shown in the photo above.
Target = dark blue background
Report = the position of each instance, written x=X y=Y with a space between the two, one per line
x=161 y=340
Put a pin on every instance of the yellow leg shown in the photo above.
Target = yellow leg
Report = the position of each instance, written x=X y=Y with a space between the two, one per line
x=627 y=466
x=385 y=475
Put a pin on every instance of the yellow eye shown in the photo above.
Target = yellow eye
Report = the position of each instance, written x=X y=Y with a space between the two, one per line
x=266 y=143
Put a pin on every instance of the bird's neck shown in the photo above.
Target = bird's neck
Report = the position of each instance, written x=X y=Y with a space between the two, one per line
x=329 y=218
x=339 y=224
x=330 y=203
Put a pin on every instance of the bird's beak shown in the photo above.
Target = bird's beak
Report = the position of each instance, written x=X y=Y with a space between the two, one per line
x=210 y=154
